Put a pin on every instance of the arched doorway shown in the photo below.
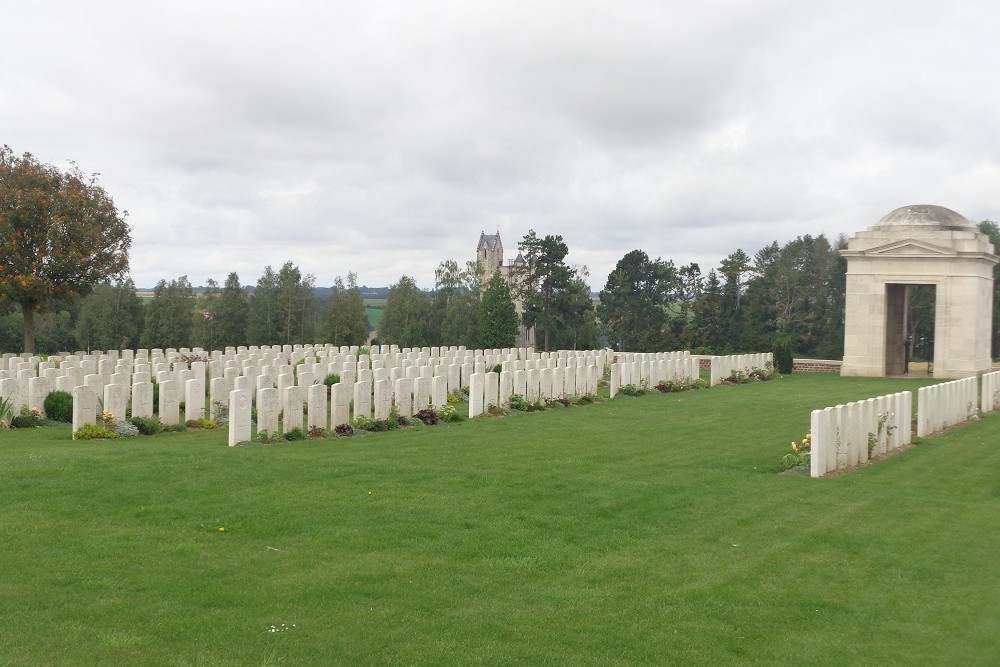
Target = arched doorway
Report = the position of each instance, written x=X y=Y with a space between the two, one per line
x=915 y=260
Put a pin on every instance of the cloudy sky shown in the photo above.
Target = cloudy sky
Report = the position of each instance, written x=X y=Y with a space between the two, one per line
x=382 y=137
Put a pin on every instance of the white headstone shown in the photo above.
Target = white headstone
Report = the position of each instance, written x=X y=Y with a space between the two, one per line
x=291 y=408
x=194 y=398
x=169 y=402
x=316 y=406
x=84 y=406
x=340 y=403
x=268 y=408
x=142 y=399
x=239 y=417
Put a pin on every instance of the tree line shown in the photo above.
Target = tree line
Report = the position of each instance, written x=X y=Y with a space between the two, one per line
x=467 y=307
x=282 y=309
x=794 y=291
x=64 y=285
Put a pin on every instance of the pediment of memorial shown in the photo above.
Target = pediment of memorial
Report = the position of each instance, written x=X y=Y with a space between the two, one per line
x=911 y=248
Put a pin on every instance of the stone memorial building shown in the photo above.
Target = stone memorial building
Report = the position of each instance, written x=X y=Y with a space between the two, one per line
x=489 y=258
x=919 y=245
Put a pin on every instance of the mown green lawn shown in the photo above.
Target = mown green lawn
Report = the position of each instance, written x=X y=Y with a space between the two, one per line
x=645 y=531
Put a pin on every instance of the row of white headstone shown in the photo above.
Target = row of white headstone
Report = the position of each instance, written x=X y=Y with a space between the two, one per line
x=724 y=366
x=991 y=392
x=118 y=382
x=644 y=370
x=844 y=436
x=369 y=398
x=940 y=406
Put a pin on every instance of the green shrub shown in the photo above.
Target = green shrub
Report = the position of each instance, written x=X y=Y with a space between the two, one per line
x=496 y=369
x=266 y=437
x=520 y=403
x=295 y=434
x=29 y=418
x=331 y=379
x=496 y=411
x=59 y=406
x=146 y=425
x=377 y=425
x=201 y=422
x=449 y=414
x=799 y=458
x=94 y=432
x=123 y=429
x=782 y=351
x=631 y=390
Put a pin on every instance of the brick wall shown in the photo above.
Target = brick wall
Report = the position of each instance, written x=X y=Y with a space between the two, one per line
x=798 y=365
x=816 y=366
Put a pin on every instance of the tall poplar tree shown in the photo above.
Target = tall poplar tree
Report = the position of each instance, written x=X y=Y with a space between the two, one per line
x=230 y=314
x=346 y=319
x=168 y=321
x=406 y=317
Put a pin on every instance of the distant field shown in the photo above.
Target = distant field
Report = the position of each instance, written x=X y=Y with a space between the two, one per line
x=373 y=309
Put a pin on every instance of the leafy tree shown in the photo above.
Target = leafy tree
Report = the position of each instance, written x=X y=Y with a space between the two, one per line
x=578 y=328
x=543 y=282
x=168 y=321
x=111 y=317
x=496 y=317
x=262 y=323
x=709 y=320
x=346 y=319
x=203 y=324
x=688 y=287
x=734 y=269
x=455 y=304
x=795 y=290
x=60 y=234
x=230 y=314
x=282 y=308
x=53 y=331
x=405 y=320
x=633 y=302
x=297 y=305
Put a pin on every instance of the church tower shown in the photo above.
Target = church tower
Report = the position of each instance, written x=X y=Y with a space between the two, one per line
x=489 y=254
x=489 y=257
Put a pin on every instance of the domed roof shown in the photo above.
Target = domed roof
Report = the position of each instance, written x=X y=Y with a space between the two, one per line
x=924 y=215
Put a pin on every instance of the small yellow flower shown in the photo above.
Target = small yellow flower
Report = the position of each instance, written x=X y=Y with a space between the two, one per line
x=222 y=529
